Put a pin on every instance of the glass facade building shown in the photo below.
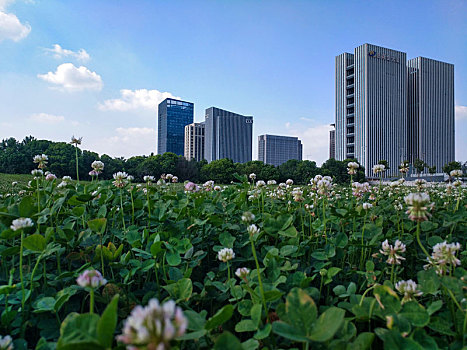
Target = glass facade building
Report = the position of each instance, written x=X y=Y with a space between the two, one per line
x=388 y=108
x=173 y=116
x=275 y=150
x=228 y=135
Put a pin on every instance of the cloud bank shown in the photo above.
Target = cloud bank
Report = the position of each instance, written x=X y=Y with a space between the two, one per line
x=135 y=99
x=70 y=78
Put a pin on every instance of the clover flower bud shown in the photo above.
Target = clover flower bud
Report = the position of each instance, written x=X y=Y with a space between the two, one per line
x=252 y=229
x=242 y=272
x=248 y=217
x=50 y=177
x=91 y=278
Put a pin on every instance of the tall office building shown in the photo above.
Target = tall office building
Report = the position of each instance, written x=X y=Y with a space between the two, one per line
x=332 y=142
x=194 y=141
x=431 y=112
x=228 y=135
x=371 y=107
x=275 y=150
x=173 y=116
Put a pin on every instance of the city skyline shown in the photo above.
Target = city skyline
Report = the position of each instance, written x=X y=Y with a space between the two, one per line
x=99 y=70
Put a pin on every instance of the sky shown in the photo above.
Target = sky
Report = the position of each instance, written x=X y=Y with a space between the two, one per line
x=98 y=69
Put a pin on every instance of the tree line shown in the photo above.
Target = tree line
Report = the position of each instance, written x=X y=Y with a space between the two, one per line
x=16 y=158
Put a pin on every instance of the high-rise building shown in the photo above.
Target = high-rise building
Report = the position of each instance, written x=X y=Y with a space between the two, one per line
x=173 y=116
x=371 y=107
x=332 y=142
x=431 y=112
x=228 y=135
x=194 y=141
x=275 y=150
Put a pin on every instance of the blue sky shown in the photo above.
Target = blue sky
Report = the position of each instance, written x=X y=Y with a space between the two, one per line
x=98 y=69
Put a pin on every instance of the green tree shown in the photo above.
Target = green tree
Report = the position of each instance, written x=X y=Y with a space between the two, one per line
x=452 y=166
x=419 y=165
x=221 y=171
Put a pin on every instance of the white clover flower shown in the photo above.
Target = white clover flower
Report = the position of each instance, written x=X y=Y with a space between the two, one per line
x=41 y=160
x=418 y=206
x=91 y=279
x=14 y=183
x=154 y=326
x=242 y=272
x=217 y=188
x=252 y=176
x=393 y=253
x=252 y=229
x=62 y=184
x=272 y=182
x=457 y=183
x=76 y=140
x=21 y=223
x=119 y=179
x=367 y=206
x=148 y=178
x=6 y=343
x=352 y=168
x=289 y=182
x=175 y=179
x=248 y=217
x=378 y=168
x=444 y=257
x=456 y=173
x=37 y=172
x=409 y=289
x=169 y=177
x=260 y=183
x=225 y=254
x=66 y=178
x=97 y=166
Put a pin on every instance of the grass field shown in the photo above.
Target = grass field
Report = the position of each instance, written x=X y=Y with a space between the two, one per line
x=7 y=179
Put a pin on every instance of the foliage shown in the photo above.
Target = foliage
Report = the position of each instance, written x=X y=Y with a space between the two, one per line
x=318 y=275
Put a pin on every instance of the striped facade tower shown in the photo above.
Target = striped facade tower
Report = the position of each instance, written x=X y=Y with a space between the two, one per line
x=371 y=107
x=431 y=112
x=228 y=135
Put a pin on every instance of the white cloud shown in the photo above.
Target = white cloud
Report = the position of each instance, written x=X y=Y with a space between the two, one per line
x=59 y=52
x=10 y=26
x=128 y=142
x=461 y=113
x=70 y=78
x=47 y=118
x=315 y=141
x=135 y=99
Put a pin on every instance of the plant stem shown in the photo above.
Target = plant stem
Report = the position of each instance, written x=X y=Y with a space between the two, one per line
x=253 y=250
x=23 y=293
x=121 y=207
x=77 y=172
x=91 y=301
x=418 y=240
